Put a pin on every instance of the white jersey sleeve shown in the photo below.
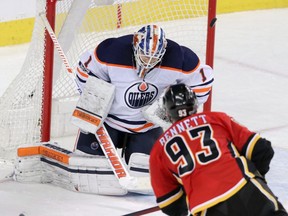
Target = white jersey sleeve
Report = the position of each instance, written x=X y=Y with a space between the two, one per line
x=88 y=66
x=200 y=81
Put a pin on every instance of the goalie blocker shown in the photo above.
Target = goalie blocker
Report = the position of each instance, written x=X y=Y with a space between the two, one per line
x=49 y=163
x=93 y=105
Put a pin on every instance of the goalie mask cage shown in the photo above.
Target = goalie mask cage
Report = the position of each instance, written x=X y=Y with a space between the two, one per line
x=42 y=96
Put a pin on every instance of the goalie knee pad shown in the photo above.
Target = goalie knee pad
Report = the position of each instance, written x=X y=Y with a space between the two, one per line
x=51 y=164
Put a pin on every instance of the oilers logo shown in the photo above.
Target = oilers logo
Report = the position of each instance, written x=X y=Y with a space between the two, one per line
x=140 y=94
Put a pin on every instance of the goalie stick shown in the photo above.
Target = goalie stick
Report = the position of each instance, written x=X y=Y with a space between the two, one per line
x=131 y=183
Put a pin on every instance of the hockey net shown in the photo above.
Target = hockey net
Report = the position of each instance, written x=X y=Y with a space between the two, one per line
x=81 y=25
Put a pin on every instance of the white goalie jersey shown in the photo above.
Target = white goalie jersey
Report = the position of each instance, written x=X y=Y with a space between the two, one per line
x=179 y=65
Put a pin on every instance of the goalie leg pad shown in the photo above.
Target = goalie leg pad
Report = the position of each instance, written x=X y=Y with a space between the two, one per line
x=138 y=166
x=82 y=177
x=29 y=170
x=58 y=166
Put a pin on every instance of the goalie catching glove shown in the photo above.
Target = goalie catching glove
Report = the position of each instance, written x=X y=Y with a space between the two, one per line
x=156 y=113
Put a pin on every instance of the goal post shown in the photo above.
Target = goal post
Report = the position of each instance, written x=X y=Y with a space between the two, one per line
x=38 y=104
x=48 y=74
x=210 y=43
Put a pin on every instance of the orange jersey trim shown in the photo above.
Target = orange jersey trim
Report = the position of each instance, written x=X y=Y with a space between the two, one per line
x=147 y=125
x=82 y=73
x=202 y=90
x=139 y=129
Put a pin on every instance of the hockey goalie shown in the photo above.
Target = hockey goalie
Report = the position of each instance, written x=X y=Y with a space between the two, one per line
x=129 y=72
x=80 y=171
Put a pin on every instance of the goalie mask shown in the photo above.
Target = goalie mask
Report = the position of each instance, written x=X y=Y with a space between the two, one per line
x=149 y=46
x=179 y=101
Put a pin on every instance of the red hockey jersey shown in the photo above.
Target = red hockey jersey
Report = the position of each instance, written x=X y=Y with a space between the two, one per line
x=208 y=154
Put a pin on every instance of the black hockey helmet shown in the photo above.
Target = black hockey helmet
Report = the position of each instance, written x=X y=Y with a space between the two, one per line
x=179 y=102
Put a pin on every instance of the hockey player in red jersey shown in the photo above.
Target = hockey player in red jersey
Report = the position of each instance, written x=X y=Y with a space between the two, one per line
x=208 y=164
x=140 y=66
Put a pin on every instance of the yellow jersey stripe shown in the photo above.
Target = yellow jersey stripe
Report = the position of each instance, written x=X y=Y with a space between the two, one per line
x=220 y=198
x=170 y=200
x=251 y=146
